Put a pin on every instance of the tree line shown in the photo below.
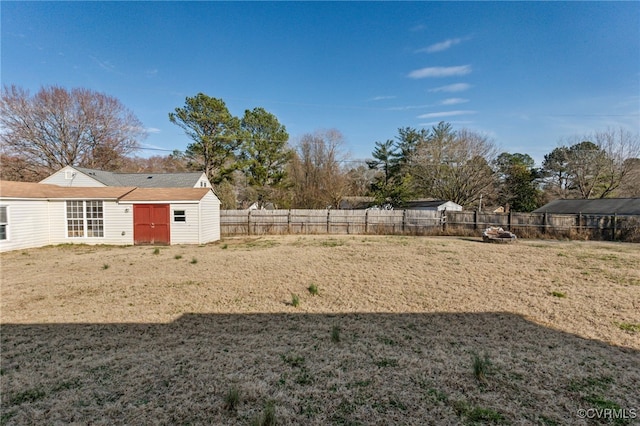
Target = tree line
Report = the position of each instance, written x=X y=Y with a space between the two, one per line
x=250 y=158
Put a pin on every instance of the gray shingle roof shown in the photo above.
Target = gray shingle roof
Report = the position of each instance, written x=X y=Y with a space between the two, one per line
x=144 y=180
x=621 y=206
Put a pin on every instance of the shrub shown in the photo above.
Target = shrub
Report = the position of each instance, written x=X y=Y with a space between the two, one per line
x=268 y=417
x=558 y=294
x=194 y=261
x=481 y=367
x=177 y=257
x=335 y=334
x=295 y=300
x=313 y=289
x=156 y=250
x=232 y=399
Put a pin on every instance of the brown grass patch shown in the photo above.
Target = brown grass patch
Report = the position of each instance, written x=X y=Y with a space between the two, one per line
x=393 y=337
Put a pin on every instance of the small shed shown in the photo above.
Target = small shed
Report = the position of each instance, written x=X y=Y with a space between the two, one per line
x=438 y=205
x=36 y=214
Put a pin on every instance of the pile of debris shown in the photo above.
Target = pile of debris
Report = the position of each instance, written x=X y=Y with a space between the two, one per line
x=497 y=235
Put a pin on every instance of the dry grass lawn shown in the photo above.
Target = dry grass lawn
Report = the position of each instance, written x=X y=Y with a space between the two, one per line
x=403 y=330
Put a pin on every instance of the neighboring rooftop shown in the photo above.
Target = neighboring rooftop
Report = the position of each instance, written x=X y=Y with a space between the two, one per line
x=144 y=180
x=621 y=206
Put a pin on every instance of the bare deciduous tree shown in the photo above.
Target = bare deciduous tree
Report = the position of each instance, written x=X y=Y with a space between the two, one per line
x=318 y=176
x=59 y=127
x=453 y=166
x=596 y=165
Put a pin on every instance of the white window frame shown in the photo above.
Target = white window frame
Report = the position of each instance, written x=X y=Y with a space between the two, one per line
x=85 y=219
x=4 y=222
x=183 y=216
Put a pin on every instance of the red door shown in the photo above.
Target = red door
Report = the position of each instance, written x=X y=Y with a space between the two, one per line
x=151 y=224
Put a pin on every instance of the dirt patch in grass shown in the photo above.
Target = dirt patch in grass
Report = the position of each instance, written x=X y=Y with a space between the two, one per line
x=390 y=338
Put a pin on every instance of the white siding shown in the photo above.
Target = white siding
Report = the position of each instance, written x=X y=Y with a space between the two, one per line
x=37 y=223
x=203 y=182
x=184 y=232
x=209 y=218
x=116 y=222
x=28 y=224
x=79 y=179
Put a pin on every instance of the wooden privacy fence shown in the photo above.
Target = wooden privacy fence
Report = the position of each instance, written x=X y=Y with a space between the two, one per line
x=426 y=222
x=258 y=222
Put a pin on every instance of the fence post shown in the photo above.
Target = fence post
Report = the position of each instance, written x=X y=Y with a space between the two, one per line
x=544 y=223
x=404 y=220
x=249 y=223
x=289 y=221
x=510 y=219
x=328 y=213
x=366 y=221
x=444 y=221
x=475 y=219
x=580 y=223
x=615 y=220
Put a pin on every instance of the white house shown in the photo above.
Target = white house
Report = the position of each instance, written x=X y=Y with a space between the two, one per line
x=438 y=205
x=82 y=177
x=36 y=214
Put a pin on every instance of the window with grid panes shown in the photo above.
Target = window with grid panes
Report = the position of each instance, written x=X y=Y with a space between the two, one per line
x=85 y=218
x=4 y=222
x=75 y=219
x=95 y=224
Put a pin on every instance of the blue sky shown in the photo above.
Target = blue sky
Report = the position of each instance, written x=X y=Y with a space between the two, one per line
x=525 y=74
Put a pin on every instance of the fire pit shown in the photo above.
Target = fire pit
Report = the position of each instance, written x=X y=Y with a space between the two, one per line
x=497 y=235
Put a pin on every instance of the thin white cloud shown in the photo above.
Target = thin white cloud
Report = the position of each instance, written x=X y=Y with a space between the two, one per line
x=446 y=114
x=408 y=107
x=452 y=88
x=417 y=28
x=454 y=101
x=440 y=71
x=152 y=130
x=382 y=98
x=105 y=65
x=151 y=72
x=452 y=122
x=439 y=47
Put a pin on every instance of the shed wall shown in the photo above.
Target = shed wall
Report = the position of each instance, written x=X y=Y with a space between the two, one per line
x=28 y=224
x=209 y=218
x=184 y=232
x=118 y=219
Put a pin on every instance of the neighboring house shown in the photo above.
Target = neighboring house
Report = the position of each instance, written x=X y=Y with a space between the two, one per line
x=600 y=206
x=81 y=177
x=36 y=214
x=438 y=205
x=357 y=203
